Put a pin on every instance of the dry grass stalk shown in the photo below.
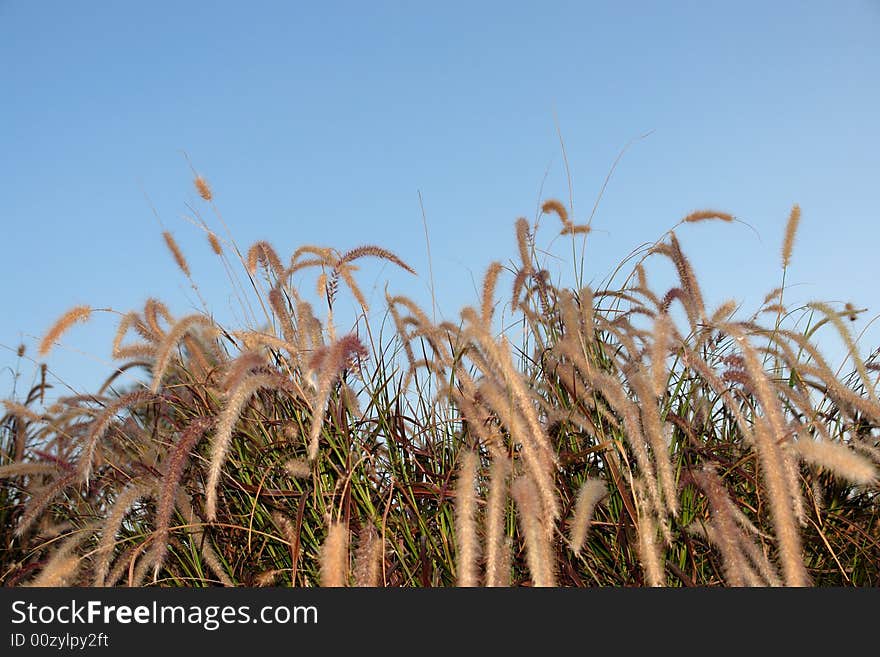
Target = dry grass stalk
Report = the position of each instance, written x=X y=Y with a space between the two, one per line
x=794 y=220
x=63 y=566
x=579 y=229
x=590 y=494
x=58 y=572
x=489 y=282
x=727 y=535
x=649 y=551
x=247 y=363
x=214 y=241
x=267 y=578
x=783 y=492
x=838 y=459
x=368 y=558
x=195 y=528
x=173 y=472
x=236 y=400
x=153 y=311
x=702 y=215
x=134 y=491
x=659 y=349
x=688 y=280
x=330 y=361
x=41 y=499
x=334 y=556
x=467 y=544
x=21 y=411
x=851 y=346
x=650 y=416
x=262 y=253
x=212 y=559
x=203 y=188
x=552 y=205
x=497 y=566
x=176 y=252
x=616 y=396
x=298 y=468
x=27 y=469
x=523 y=238
x=375 y=252
x=128 y=321
x=170 y=342
x=282 y=313
x=292 y=538
x=68 y=319
x=539 y=550
x=537 y=450
x=102 y=423
x=745 y=574
x=781 y=510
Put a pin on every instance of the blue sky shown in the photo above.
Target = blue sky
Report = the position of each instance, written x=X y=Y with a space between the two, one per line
x=321 y=123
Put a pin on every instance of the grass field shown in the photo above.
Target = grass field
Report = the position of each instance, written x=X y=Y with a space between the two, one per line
x=552 y=436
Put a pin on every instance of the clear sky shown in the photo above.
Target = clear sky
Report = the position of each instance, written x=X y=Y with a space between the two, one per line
x=321 y=122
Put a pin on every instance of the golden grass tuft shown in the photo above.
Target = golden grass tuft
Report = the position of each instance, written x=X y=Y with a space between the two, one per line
x=214 y=241
x=539 y=551
x=839 y=459
x=590 y=494
x=298 y=468
x=203 y=188
x=497 y=559
x=703 y=215
x=120 y=507
x=375 y=252
x=334 y=556
x=489 y=282
x=331 y=361
x=552 y=205
x=523 y=238
x=568 y=228
x=263 y=253
x=465 y=522
x=68 y=319
x=794 y=220
x=170 y=342
x=368 y=558
x=176 y=252
x=236 y=399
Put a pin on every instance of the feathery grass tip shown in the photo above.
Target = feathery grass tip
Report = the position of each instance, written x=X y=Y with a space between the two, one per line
x=203 y=188
x=68 y=319
x=791 y=227
x=176 y=252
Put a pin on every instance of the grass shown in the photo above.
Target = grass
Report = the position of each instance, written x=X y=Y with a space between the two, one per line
x=628 y=436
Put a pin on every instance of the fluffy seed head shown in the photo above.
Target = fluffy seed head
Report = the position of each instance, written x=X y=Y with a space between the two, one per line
x=68 y=319
x=176 y=252
x=552 y=205
x=334 y=556
x=838 y=458
x=465 y=529
x=790 y=230
x=298 y=468
x=702 y=215
x=591 y=492
x=215 y=244
x=203 y=188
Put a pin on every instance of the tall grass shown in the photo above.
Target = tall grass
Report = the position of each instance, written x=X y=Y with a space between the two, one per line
x=625 y=436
